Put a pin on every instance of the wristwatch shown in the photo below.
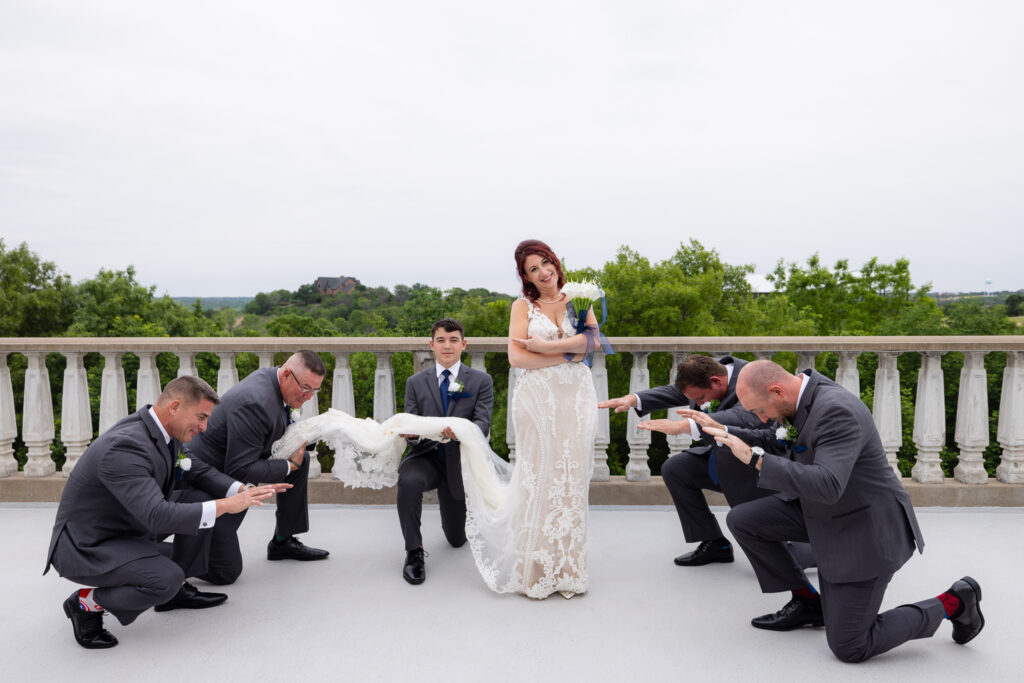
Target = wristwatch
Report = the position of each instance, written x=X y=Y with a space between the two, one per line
x=246 y=487
x=756 y=457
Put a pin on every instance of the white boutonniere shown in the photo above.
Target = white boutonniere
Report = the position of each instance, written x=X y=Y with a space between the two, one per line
x=781 y=434
x=183 y=463
x=455 y=386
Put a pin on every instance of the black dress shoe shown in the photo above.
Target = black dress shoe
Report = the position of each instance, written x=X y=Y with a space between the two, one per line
x=292 y=548
x=797 y=612
x=190 y=597
x=706 y=553
x=967 y=620
x=88 y=626
x=415 y=571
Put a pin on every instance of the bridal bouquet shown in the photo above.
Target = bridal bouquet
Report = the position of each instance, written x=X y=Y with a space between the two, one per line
x=582 y=296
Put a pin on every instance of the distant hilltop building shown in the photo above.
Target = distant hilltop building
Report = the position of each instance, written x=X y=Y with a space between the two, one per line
x=333 y=285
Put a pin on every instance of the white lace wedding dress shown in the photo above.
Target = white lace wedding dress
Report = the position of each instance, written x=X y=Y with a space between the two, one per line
x=554 y=411
x=526 y=525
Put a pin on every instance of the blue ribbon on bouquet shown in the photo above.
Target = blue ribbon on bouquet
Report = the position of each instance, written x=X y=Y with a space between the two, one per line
x=579 y=322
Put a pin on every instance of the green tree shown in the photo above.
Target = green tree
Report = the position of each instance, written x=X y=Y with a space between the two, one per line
x=36 y=299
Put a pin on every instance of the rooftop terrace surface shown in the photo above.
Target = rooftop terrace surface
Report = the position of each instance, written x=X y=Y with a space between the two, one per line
x=353 y=618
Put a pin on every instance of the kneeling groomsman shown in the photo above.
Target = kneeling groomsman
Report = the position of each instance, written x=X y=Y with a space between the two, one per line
x=120 y=499
x=836 y=490
x=447 y=388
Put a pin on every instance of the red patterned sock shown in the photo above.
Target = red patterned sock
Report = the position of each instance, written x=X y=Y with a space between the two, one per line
x=951 y=603
x=86 y=600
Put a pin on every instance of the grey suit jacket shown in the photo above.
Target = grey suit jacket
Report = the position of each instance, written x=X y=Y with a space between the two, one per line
x=859 y=518
x=737 y=481
x=250 y=418
x=115 y=505
x=729 y=411
x=423 y=397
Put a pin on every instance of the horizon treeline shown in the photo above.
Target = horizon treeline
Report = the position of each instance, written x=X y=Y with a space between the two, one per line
x=691 y=293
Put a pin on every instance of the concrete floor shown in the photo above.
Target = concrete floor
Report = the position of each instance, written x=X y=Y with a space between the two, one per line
x=353 y=618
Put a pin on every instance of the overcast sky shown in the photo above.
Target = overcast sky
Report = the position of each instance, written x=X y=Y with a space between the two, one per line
x=227 y=148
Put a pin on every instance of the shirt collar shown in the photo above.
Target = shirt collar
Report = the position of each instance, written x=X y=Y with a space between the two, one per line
x=803 y=385
x=438 y=369
x=167 y=437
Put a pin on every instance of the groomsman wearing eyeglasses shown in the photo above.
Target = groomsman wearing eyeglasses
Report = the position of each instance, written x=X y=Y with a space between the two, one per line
x=253 y=415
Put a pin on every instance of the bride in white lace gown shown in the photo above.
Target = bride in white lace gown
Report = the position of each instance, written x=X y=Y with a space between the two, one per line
x=554 y=410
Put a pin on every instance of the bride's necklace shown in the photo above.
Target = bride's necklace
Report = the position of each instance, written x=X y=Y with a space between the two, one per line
x=560 y=297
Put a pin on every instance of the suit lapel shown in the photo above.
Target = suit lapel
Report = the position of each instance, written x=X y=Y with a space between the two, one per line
x=432 y=388
x=162 y=450
x=804 y=409
x=730 y=394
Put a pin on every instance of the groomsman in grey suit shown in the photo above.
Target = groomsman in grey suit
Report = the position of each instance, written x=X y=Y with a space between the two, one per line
x=447 y=388
x=120 y=499
x=252 y=415
x=702 y=381
x=837 y=491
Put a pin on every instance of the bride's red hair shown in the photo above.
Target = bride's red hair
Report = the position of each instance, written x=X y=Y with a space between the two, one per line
x=526 y=248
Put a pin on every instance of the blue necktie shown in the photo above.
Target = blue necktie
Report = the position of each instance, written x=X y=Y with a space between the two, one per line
x=712 y=470
x=444 y=390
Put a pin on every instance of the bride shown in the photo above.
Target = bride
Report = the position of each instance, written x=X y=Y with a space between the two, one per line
x=554 y=411
x=527 y=524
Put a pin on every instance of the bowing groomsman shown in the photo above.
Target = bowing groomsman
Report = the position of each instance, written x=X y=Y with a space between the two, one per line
x=120 y=499
x=838 y=491
x=252 y=415
x=447 y=388
x=702 y=381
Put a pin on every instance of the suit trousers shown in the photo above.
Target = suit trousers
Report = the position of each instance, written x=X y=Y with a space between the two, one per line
x=134 y=587
x=418 y=475
x=853 y=627
x=221 y=549
x=685 y=475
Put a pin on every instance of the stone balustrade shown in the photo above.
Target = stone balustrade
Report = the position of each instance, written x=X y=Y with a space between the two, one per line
x=929 y=426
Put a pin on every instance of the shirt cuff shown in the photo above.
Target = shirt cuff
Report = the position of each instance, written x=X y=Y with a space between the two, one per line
x=639 y=405
x=234 y=489
x=694 y=429
x=209 y=517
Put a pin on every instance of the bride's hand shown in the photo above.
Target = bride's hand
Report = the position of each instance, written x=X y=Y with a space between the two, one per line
x=535 y=344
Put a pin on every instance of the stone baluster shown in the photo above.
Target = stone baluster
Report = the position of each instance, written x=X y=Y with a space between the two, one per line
x=76 y=414
x=37 y=417
x=113 y=392
x=1010 y=432
x=763 y=355
x=639 y=440
x=510 y=427
x=972 y=420
x=227 y=374
x=383 y=387
x=677 y=443
x=8 y=421
x=343 y=396
x=929 y=419
x=187 y=364
x=847 y=374
x=148 y=387
x=421 y=360
x=886 y=410
x=805 y=360
x=602 y=435
x=266 y=359
x=478 y=361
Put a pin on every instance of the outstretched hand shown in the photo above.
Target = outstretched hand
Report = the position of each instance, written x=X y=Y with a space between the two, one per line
x=621 y=404
x=243 y=500
x=738 y=447
x=703 y=420
x=665 y=426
